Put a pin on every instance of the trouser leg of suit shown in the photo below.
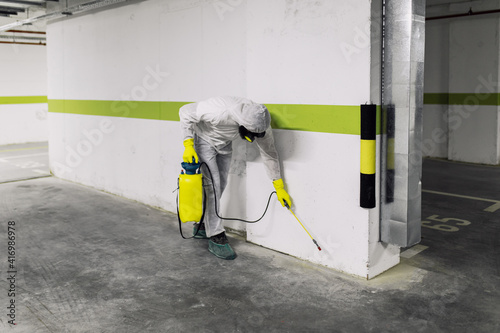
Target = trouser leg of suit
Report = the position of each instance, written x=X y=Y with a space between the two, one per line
x=219 y=166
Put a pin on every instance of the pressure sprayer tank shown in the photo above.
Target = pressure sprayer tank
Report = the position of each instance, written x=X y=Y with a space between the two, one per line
x=190 y=193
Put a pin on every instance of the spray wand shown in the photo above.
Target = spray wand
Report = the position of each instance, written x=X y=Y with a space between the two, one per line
x=314 y=241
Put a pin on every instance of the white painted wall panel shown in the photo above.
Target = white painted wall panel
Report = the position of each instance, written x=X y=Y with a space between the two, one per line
x=473 y=136
x=473 y=52
x=474 y=60
x=208 y=58
x=184 y=46
x=107 y=56
x=326 y=200
x=133 y=158
x=437 y=40
x=21 y=123
x=462 y=56
x=270 y=51
x=435 y=131
x=23 y=71
x=435 y=116
x=294 y=52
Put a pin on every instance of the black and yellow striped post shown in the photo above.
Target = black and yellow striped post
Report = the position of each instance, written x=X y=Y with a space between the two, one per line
x=368 y=155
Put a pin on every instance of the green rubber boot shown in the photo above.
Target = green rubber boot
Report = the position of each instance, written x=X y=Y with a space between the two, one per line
x=219 y=246
x=202 y=234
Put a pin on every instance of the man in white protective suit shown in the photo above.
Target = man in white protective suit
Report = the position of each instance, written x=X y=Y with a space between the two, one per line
x=209 y=127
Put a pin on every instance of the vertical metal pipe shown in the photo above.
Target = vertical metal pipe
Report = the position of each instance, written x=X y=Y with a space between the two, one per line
x=402 y=104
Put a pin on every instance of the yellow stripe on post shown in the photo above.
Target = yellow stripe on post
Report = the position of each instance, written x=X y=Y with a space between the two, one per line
x=368 y=156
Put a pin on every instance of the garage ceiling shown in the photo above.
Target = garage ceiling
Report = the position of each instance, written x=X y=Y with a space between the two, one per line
x=23 y=21
x=15 y=10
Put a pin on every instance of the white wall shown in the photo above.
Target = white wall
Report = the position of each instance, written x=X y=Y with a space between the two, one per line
x=23 y=71
x=462 y=57
x=474 y=57
x=435 y=116
x=283 y=52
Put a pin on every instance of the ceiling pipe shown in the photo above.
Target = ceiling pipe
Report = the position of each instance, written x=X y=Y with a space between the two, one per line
x=25 y=3
x=24 y=43
x=31 y=20
x=15 y=38
x=469 y=13
x=7 y=12
x=27 y=32
x=81 y=8
x=13 y=9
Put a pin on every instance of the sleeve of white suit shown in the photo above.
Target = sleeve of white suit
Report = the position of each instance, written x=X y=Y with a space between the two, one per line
x=269 y=154
x=188 y=118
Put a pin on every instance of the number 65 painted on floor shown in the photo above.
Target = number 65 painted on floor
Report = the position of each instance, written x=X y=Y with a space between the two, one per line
x=444 y=227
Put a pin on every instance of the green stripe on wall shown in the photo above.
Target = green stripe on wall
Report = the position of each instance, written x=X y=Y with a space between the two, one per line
x=23 y=99
x=462 y=98
x=474 y=99
x=341 y=119
x=435 y=98
x=126 y=109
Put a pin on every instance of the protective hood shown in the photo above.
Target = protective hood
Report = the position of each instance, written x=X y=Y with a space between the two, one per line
x=255 y=117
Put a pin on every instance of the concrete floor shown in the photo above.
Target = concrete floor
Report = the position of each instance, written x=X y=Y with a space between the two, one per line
x=88 y=261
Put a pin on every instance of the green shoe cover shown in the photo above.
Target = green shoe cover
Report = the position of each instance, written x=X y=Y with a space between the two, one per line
x=223 y=251
x=202 y=234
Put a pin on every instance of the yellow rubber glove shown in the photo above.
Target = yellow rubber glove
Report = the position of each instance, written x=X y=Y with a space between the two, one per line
x=189 y=152
x=282 y=194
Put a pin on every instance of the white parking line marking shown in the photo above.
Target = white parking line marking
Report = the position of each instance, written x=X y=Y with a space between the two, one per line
x=22 y=156
x=493 y=208
x=28 y=148
x=413 y=251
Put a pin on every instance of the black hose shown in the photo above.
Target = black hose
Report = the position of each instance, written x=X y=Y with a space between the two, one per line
x=216 y=211
x=234 y=218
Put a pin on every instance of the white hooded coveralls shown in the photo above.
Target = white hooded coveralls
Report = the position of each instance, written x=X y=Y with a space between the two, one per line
x=214 y=124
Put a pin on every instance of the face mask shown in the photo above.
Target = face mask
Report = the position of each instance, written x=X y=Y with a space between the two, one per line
x=250 y=136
